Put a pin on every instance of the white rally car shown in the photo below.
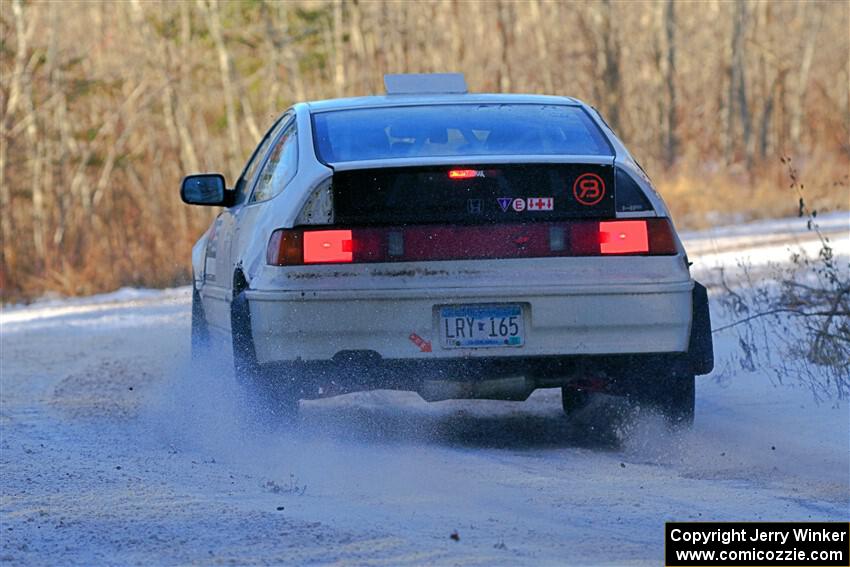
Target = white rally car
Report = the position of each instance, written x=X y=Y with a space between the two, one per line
x=457 y=245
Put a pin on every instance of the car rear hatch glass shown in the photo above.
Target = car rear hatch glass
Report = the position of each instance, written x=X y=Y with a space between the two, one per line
x=473 y=194
x=456 y=130
x=463 y=182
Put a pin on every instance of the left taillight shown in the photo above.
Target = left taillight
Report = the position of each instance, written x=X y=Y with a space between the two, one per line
x=328 y=246
x=285 y=248
x=297 y=247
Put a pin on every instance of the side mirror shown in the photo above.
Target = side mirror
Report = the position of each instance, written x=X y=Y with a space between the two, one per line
x=205 y=189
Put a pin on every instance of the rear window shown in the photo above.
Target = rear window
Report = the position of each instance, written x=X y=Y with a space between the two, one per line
x=473 y=194
x=456 y=130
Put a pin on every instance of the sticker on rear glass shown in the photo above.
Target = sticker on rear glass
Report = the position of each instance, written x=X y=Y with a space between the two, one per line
x=541 y=203
x=504 y=203
x=588 y=189
x=518 y=205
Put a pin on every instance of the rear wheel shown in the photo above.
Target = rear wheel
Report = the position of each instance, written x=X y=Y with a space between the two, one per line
x=266 y=393
x=672 y=395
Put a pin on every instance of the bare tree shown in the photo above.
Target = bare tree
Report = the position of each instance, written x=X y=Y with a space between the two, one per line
x=105 y=105
x=812 y=15
x=666 y=61
x=738 y=82
x=210 y=10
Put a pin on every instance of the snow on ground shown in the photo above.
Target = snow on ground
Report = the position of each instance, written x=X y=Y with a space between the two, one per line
x=113 y=452
x=91 y=307
x=746 y=235
x=761 y=246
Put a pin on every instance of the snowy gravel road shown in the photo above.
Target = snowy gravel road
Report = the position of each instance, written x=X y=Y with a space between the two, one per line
x=112 y=452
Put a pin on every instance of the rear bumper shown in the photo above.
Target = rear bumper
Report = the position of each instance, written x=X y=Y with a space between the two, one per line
x=559 y=321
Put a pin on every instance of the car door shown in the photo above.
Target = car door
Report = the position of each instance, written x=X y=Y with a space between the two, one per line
x=218 y=277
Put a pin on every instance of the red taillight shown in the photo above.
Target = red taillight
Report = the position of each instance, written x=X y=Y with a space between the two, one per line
x=465 y=173
x=285 y=248
x=661 y=239
x=328 y=246
x=623 y=237
x=295 y=247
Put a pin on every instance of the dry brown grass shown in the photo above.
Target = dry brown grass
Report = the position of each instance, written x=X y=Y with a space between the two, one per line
x=699 y=199
x=104 y=105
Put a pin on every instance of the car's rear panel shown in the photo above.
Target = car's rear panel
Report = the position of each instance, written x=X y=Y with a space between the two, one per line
x=576 y=305
x=405 y=250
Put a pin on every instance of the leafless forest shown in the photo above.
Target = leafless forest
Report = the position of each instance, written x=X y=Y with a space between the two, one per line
x=105 y=105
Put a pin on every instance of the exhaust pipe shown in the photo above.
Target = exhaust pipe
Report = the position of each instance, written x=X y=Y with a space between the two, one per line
x=513 y=388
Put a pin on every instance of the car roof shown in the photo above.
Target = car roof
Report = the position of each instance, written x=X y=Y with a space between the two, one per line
x=433 y=99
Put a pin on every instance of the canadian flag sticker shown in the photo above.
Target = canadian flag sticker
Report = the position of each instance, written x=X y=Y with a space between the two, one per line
x=541 y=203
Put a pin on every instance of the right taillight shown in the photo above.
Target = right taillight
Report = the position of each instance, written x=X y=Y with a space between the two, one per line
x=623 y=237
x=643 y=236
x=662 y=242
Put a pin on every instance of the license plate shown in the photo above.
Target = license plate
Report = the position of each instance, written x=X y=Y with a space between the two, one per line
x=481 y=326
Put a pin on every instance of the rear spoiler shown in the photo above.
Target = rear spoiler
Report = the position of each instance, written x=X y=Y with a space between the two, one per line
x=470 y=160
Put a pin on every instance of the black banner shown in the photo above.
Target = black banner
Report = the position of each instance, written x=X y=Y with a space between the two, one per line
x=763 y=544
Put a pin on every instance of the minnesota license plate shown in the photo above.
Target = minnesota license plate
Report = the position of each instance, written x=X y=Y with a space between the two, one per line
x=481 y=326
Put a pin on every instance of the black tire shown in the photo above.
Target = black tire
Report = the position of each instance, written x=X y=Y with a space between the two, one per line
x=200 y=330
x=268 y=396
x=574 y=399
x=674 y=397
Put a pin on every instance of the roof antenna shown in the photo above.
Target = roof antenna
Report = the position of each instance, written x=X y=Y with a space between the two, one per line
x=425 y=83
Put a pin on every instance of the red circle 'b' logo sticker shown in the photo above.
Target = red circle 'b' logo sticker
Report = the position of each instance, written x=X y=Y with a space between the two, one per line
x=589 y=189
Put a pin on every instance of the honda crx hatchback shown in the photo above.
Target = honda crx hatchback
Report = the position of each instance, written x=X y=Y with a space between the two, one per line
x=457 y=245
